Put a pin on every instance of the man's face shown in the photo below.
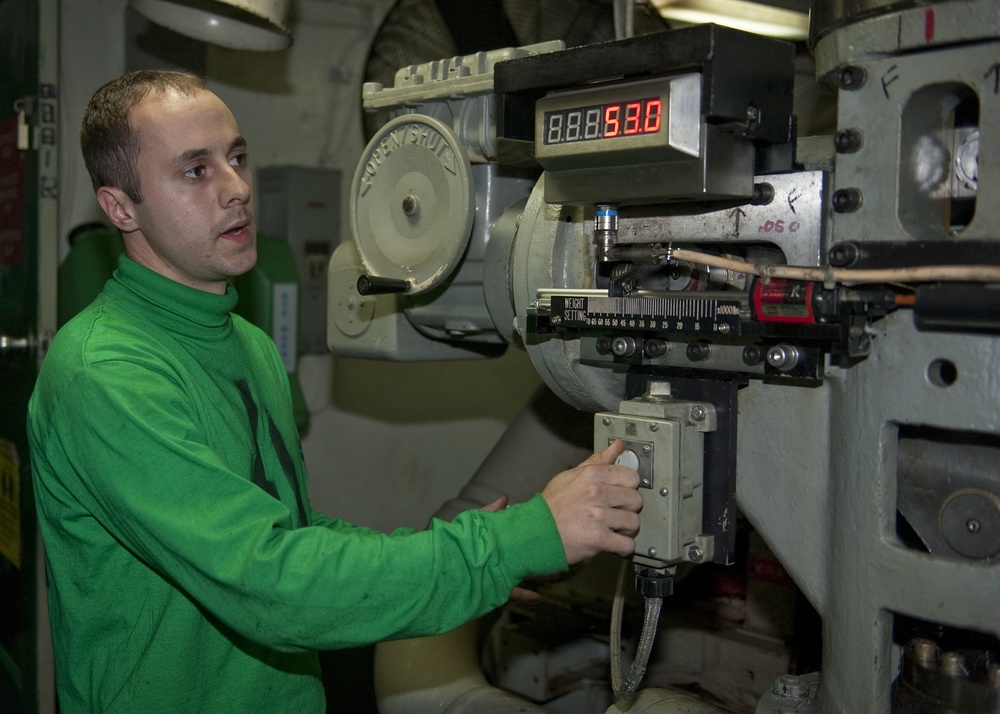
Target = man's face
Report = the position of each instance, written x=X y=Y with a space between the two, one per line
x=195 y=224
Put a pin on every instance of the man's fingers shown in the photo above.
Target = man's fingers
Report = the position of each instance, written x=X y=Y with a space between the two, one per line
x=620 y=521
x=619 y=544
x=611 y=476
x=608 y=456
x=497 y=505
x=525 y=596
x=626 y=497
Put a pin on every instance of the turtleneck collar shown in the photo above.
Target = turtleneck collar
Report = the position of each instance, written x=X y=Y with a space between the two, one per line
x=179 y=307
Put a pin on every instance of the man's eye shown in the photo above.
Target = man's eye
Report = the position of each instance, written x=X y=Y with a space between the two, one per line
x=239 y=160
x=195 y=172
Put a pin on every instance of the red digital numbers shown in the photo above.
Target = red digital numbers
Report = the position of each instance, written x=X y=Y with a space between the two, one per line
x=607 y=121
x=651 y=117
x=632 y=112
x=631 y=118
x=612 y=124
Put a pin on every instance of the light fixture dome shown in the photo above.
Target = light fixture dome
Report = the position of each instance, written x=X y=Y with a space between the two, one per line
x=237 y=24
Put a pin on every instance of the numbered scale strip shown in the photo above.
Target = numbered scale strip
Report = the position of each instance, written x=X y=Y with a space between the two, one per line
x=700 y=313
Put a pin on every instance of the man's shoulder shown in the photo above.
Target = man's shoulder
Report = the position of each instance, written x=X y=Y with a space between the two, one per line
x=100 y=322
x=102 y=333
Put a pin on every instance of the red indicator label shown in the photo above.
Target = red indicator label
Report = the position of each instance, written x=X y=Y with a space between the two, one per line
x=780 y=300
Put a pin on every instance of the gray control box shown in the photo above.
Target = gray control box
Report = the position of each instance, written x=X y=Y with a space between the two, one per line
x=302 y=206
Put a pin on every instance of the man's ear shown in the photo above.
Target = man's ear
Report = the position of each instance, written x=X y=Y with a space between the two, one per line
x=119 y=208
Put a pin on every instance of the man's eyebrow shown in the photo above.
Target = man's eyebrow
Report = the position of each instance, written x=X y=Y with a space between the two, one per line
x=194 y=154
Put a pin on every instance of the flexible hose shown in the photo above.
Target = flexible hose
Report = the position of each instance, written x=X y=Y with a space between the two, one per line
x=627 y=688
x=918 y=274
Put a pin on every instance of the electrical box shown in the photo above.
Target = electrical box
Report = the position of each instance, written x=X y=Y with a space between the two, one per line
x=302 y=205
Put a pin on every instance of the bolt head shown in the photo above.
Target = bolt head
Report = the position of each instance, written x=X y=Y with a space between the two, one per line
x=752 y=355
x=790 y=686
x=953 y=664
x=847 y=200
x=851 y=78
x=658 y=388
x=783 y=357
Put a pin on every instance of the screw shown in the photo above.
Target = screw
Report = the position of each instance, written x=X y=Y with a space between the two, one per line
x=851 y=78
x=724 y=328
x=752 y=355
x=695 y=554
x=972 y=525
x=698 y=412
x=783 y=357
x=847 y=141
x=664 y=491
x=651 y=552
x=699 y=351
x=847 y=200
x=763 y=194
x=646 y=448
x=843 y=255
x=556 y=319
x=623 y=346
x=654 y=427
x=410 y=205
x=655 y=348
x=603 y=345
x=606 y=421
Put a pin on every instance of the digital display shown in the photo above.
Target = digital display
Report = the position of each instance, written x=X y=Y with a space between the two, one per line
x=643 y=122
x=603 y=121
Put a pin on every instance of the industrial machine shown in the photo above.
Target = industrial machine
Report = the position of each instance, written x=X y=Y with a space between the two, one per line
x=796 y=332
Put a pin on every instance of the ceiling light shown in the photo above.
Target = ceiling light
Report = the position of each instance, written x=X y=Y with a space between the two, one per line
x=237 y=24
x=744 y=15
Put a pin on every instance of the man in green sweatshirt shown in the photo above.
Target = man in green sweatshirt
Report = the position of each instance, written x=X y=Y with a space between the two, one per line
x=186 y=569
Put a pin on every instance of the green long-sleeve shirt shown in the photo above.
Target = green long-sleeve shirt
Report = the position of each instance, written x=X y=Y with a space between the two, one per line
x=186 y=569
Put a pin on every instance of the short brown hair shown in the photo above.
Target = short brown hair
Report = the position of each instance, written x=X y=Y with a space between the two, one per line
x=109 y=142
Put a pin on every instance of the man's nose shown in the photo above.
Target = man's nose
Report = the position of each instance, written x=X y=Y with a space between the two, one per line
x=237 y=186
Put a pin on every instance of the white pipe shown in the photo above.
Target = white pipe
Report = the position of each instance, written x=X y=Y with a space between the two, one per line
x=663 y=701
x=439 y=674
